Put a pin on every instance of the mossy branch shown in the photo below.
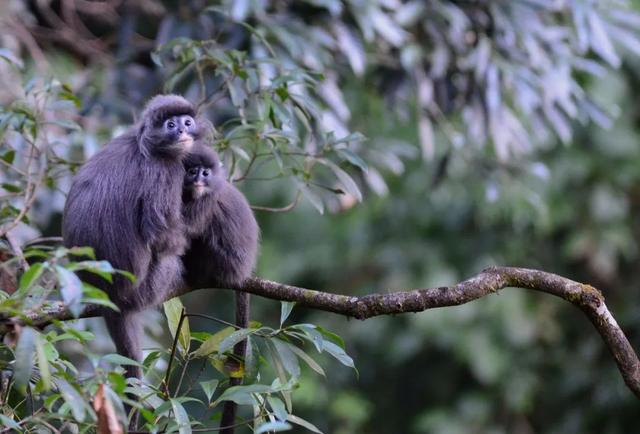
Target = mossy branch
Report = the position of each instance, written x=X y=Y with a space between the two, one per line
x=585 y=297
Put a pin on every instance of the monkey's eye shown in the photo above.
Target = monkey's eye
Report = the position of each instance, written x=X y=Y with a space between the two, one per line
x=205 y=172
x=187 y=121
x=193 y=171
x=171 y=125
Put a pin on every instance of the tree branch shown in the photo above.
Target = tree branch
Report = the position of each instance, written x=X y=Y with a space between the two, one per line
x=585 y=297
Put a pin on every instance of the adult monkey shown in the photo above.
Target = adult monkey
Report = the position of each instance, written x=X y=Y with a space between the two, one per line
x=223 y=237
x=125 y=204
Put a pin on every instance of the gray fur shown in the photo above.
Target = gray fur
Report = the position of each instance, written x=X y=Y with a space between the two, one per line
x=224 y=233
x=125 y=203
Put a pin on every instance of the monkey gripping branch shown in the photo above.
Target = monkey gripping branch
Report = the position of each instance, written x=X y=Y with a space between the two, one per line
x=587 y=298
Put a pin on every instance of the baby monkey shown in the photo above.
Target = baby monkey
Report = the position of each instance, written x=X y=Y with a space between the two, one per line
x=219 y=224
x=224 y=241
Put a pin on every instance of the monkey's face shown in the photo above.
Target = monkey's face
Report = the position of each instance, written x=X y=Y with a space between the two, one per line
x=199 y=180
x=180 y=131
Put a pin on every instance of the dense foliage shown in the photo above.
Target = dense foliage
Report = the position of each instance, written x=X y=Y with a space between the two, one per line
x=482 y=91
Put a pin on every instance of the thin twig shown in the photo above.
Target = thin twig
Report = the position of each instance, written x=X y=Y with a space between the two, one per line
x=39 y=240
x=182 y=373
x=192 y=380
x=17 y=250
x=247 y=169
x=173 y=352
x=221 y=321
x=287 y=208
x=14 y=168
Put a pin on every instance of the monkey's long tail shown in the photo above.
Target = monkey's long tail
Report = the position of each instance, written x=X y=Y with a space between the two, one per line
x=126 y=332
x=239 y=351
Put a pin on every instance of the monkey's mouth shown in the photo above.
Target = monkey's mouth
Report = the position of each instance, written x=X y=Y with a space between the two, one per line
x=199 y=188
x=185 y=140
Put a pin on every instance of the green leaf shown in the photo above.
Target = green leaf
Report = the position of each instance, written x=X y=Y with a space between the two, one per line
x=72 y=397
x=281 y=371
x=273 y=427
x=289 y=359
x=303 y=423
x=308 y=360
x=240 y=152
x=161 y=409
x=11 y=188
x=251 y=362
x=212 y=343
x=100 y=302
x=67 y=124
x=282 y=92
x=117 y=381
x=25 y=351
x=71 y=289
x=68 y=95
x=71 y=333
x=353 y=158
x=209 y=388
x=278 y=408
x=9 y=156
x=302 y=117
x=339 y=354
x=345 y=179
x=82 y=251
x=117 y=359
x=50 y=401
x=235 y=337
x=312 y=197
x=155 y=58
x=50 y=352
x=181 y=416
x=30 y=276
x=101 y=268
x=7 y=422
x=312 y=334
x=173 y=309
x=331 y=336
x=128 y=275
x=93 y=295
x=43 y=362
x=243 y=394
x=285 y=310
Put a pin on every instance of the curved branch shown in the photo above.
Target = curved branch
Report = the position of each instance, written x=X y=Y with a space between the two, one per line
x=585 y=297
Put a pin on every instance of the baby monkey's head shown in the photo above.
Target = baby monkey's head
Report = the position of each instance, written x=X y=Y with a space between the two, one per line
x=203 y=173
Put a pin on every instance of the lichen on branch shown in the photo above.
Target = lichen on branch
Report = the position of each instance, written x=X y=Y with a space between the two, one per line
x=584 y=296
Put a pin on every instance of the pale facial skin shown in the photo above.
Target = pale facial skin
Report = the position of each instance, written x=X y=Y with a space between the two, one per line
x=182 y=129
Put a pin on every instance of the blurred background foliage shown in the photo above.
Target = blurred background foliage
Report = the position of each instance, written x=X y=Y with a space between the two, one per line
x=497 y=132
